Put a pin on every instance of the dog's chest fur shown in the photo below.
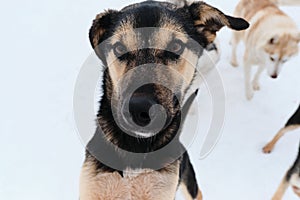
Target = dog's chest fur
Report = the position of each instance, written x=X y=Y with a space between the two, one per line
x=137 y=184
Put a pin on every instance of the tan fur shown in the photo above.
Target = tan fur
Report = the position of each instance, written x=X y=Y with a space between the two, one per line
x=116 y=68
x=248 y=8
x=187 y=194
x=207 y=13
x=165 y=34
x=199 y=196
x=294 y=182
x=280 y=48
x=127 y=36
x=270 y=146
x=281 y=189
x=186 y=67
x=146 y=185
x=161 y=39
x=267 y=21
x=286 y=2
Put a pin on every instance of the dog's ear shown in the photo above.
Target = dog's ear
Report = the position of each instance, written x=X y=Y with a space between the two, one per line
x=101 y=24
x=209 y=20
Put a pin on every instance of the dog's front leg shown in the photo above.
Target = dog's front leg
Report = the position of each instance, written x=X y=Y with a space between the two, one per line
x=270 y=146
x=281 y=189
x=255 y=82
x=236 y=38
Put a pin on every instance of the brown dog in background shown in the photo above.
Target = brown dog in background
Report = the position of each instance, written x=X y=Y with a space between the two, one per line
x=271 y=40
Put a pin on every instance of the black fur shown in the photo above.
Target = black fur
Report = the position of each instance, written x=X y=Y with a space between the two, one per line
x=187 y=175
x=295 y=119
x=295 y=169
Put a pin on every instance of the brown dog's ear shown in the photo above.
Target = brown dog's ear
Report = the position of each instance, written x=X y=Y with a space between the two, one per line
x=101 y=24
x=209 y=20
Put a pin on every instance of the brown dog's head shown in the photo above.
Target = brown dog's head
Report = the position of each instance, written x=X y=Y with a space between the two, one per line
x=280 y=49
x=150 y=50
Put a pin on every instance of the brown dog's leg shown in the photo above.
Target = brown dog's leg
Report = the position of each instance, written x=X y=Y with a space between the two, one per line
x=187 y=194
x=199 y=196
x=269 y=147
x=188 y=179
x=281 y=189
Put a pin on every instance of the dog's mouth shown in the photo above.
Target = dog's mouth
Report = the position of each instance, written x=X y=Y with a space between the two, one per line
x=144 y=117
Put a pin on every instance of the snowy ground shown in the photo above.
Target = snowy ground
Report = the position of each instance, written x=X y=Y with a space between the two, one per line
x=44 y=43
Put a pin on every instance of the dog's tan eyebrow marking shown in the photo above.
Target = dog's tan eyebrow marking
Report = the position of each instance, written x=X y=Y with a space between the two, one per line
x=164 y=37
x=126 y=35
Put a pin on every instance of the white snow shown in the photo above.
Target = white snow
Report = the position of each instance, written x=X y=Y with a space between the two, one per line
x=43 y=45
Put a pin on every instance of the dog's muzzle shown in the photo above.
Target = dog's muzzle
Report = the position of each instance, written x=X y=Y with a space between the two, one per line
x=139 y=109
x=142 y=112
x=145 y=114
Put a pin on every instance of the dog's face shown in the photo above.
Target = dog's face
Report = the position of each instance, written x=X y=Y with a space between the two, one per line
x=151 y=50
x=279 y=50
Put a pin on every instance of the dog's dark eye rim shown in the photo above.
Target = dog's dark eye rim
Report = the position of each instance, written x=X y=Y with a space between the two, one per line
x=272 y=59
x=176 y=46
x=119 y=49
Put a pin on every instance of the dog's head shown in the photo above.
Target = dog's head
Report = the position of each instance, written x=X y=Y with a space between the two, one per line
x=279 y=49
x=151 y=50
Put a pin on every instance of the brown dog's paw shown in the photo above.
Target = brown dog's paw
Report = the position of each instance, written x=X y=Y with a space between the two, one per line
x=268 y=148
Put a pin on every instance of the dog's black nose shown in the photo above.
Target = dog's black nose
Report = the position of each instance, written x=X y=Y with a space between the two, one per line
x=274 y=76
x=139 y=108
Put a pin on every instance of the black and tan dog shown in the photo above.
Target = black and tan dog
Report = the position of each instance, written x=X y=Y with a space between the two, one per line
x=292 y=176
x=125 y=40
x=292 y=124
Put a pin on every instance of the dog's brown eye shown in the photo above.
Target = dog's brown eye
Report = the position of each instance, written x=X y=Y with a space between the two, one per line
x=119 y=49
x=272 y=59
x=177 y=47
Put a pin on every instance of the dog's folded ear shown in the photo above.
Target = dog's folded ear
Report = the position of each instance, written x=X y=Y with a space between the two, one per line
x=209 y=20
x=101 y=24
